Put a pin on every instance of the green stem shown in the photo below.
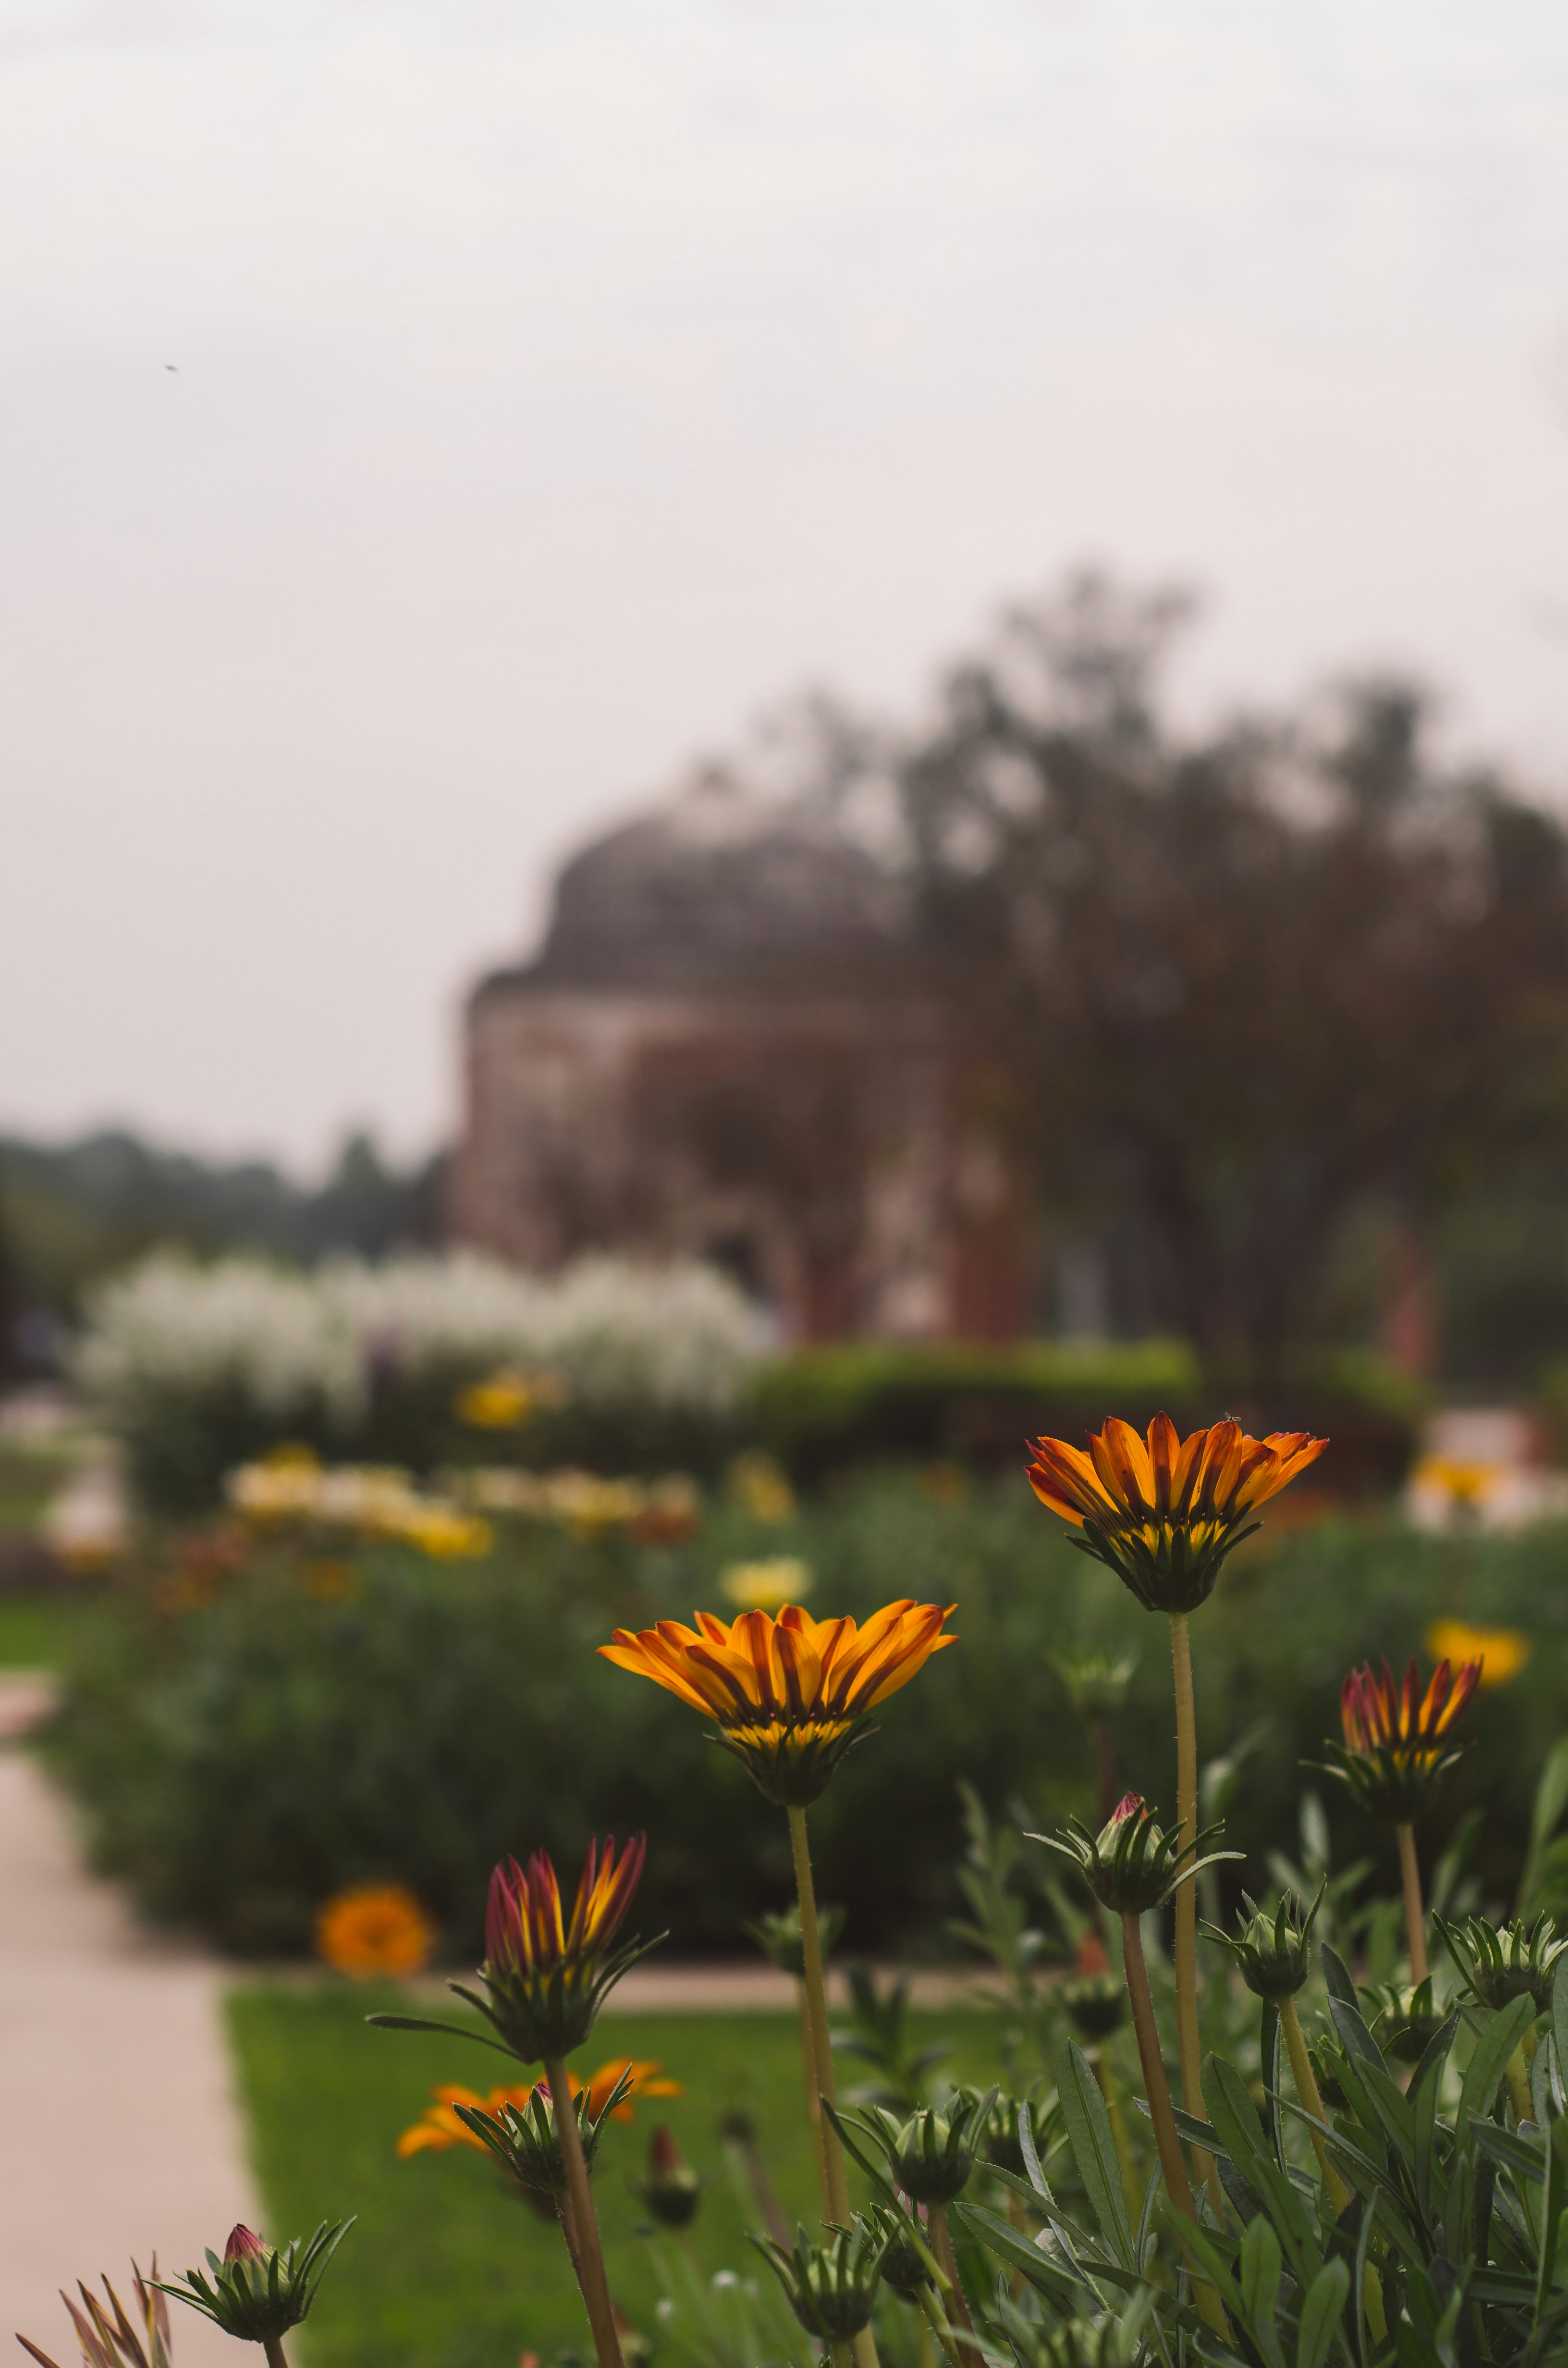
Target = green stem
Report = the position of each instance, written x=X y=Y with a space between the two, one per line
x=584 y=2223
x=1166 y=2142
x=822 y=2045
x=1519 y=2086
x=1189 y=2040
x=939 y=2326
x=1111 y=2093
x=813 y=2102
x=275 y=2355
x=958 y=2302
x=1415 y=1914
x=1310 y=2101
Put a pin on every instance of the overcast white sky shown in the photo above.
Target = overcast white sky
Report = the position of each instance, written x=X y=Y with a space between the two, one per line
x=558 y=381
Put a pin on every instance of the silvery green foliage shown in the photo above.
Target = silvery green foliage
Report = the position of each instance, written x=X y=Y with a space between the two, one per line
x=679 y=1335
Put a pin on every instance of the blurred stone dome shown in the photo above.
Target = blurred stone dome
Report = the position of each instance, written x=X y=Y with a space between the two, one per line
x=717 y=885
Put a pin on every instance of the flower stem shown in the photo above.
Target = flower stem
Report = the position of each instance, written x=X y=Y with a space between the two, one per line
x=1310 y=2100
x=275 y=2355
x=1415 y=1914
x=1519 y=2086
x=814 y=2101
x=936 y=2320
x=1111 y=2092
x=1190 y=2045
x=822 y=2047
x=585 y=2225
x=1166 y=2140
x=958 y=2301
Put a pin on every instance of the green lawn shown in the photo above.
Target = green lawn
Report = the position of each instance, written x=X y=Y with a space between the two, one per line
x=35 y=1630
x=447 y=2269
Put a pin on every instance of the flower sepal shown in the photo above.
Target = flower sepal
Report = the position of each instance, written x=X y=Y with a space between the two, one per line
x=1133 y=1865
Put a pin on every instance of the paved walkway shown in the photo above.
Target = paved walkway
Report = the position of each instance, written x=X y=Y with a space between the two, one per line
x=121 y=2129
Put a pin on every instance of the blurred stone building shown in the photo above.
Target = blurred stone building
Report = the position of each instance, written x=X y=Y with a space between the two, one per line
x=729 y=1046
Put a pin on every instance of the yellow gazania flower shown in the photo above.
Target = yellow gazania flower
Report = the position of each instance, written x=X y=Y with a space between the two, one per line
x=1502 y=1652
x=1163 y=1512
x=766 y=1586
x=375 y=1929
x=444 y=1533
x=791 y=1695
x=438 y=2127
x=762 y=1485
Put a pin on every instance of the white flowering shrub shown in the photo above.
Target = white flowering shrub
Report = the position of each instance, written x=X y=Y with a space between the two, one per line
x=197 y=1367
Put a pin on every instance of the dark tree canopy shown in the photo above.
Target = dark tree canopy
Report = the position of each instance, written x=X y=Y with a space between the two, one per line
x=1240 y=984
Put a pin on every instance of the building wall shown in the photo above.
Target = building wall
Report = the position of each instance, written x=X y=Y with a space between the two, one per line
x=811 y=1141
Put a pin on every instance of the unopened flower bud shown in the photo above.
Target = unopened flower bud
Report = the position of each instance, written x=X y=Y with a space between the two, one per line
x=671 y=2190
x=1274 y=1951
x=1133 y=1865
x=244 y=2245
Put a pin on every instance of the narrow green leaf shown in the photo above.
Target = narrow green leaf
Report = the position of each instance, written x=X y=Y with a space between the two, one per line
x=999 y=2237
x=449 y=2029
x=1486 y=2068
x=1552 y=2223
x=1270 y=2048
x=1087 y=2125
x=1261 y=2262
x=1560 y=2012
x=1323 y=2307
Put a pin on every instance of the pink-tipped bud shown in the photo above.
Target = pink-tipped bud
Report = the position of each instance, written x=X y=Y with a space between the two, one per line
x=1129 y=1806
x=244 y=2244
x=664 y=2154
x=1092 y=1958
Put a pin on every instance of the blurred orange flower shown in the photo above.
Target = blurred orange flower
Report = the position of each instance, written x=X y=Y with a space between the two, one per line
x=1502 y=1652
x=439 y=2126
x=375 y=1929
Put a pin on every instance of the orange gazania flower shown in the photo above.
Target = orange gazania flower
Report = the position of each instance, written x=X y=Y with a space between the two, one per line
x=790 y=1694
x=545 y=1976
x=1396 y=1738
x=439 y=2126
x=377 y=1928
x=1163 y=1512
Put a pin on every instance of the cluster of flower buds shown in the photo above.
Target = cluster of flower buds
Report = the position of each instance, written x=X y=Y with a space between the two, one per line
x=1133 y=1865
x=671 y=2190
x=526 y=2142
x=1499 y=1966
x=1273 y=1951
x=257 y=2292
x=931 y=2154
x=831 y=2288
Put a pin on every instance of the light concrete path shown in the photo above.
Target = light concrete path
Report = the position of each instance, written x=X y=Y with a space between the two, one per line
x=121 y=2133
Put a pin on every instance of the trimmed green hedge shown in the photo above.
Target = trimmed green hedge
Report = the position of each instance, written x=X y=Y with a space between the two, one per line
x=312 y=1727
x=854 y=1402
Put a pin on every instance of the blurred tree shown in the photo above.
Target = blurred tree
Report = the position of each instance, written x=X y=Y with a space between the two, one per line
x=1244 y=984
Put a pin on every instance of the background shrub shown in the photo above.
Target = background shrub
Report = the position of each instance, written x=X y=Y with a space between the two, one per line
x=315 y=1723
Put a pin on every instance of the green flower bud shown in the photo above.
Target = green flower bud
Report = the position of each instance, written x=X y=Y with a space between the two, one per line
x=831 y=2288
x=258 y=2292
x=1273 y=1951
x=779 y=1938
x=931 y=2154
x=1403 y=2020
x=1501 y=1965
x=1132 y=1864
x=524 y=2140
x=671 y=2190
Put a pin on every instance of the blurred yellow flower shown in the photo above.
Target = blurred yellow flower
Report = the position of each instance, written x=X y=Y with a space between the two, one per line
x=767 y=1586
x=1464 y=1482
x=507 y=1400
x=1502 y=1652
x=445 y=1533
x=375 y=1928
x=762 y=1486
